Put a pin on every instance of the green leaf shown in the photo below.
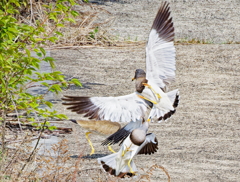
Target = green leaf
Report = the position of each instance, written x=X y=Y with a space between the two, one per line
x=45 y=84
x=55 y=88
x=74 y=13
x=50 y=60
x=28 y=52
x=60 y=25
x=51 y=128
x=43 y=51
x=35 y=124
x=39 y=54
x=61 y=116
x=52 y=39
x=59 y=33
x=39 y=39
x=76 y=82
x=49 y=104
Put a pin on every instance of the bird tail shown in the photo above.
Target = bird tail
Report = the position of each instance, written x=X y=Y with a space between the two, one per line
x=113 y=166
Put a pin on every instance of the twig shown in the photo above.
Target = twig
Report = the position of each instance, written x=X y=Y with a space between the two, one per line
x=62 y=129
x=15 y=107
x=31 y=9
x=33 y=152
x=164 y=170
x=16 y=141
x=15 y=155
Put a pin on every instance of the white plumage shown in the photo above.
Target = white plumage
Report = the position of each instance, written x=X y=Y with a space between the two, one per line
x=121 y=163
x=160 y=71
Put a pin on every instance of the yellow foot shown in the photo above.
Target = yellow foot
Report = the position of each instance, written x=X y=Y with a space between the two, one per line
x=133 y=172
x=150 y=87
x=126 y=150
x=92 y=152
x=90 y=143
x=130 y=168
x=110 y=148
x=142 y=97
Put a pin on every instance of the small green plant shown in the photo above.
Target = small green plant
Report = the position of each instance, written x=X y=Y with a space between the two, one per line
x=19 y=69
x=93 y=33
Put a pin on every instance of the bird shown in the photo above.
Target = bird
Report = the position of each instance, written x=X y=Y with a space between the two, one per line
x=138 y=142
x=98 y=127
x=151 y=86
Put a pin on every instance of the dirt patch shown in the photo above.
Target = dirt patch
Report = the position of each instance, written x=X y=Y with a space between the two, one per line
x=201 y=141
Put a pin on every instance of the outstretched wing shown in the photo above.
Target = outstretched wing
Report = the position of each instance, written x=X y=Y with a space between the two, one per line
x=160 y=50
x=116 y=109
x=149 y=146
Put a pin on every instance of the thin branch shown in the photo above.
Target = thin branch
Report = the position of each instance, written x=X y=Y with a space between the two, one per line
x=31 y=12
x=15 y=107
x=15 y=155
x=33 y=152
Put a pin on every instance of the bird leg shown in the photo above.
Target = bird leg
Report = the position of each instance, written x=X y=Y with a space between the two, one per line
x=126 y=150
x=142 y=97
x=90 y=143
x=150 y=87
x=110 y=148
x=129 y=165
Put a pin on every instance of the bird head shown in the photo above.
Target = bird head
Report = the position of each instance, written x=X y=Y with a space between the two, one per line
x=139 y=73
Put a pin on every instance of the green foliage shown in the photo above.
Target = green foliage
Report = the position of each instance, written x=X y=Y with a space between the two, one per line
x=93 y=33
x=18 y=68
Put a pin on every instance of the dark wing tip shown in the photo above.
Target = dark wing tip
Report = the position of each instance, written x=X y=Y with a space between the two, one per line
x=149 y=148
x=176 y=101
x=163 y=23
x=116 y=137
x=170 y=113
x=82 y=105
x=73 y=120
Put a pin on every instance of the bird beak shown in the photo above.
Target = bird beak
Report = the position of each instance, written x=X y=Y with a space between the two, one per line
x=149 y=119
x=133 y=78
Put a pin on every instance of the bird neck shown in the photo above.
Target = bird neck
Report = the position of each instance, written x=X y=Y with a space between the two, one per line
x=139 y=84
x=145 y=126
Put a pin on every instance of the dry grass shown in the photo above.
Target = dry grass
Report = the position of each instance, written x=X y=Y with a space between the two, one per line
x=23 y=163
x=25 y=160
x=90 y=28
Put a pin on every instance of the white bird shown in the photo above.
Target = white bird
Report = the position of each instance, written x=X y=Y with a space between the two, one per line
x=138 y=142
x=150 y=86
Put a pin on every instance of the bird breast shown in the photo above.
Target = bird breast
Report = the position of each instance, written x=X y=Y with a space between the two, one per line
x=138 y=136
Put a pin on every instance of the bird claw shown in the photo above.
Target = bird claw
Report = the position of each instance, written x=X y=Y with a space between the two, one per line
x=92 y=152
x=133 y=172
x=126 y=150
x=130 y=168
x=110 y=148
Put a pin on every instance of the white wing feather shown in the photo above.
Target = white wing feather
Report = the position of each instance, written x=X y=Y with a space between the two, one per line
x=160 y=60
x=120 y=109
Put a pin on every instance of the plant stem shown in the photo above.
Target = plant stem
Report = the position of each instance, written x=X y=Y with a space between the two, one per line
x=33 y=152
